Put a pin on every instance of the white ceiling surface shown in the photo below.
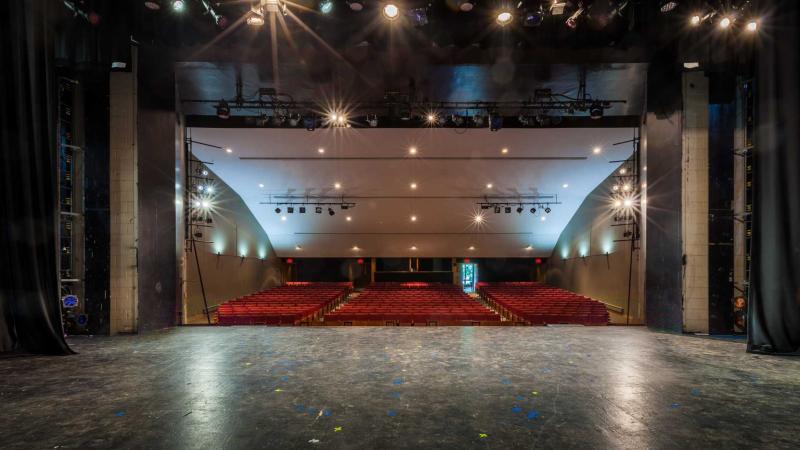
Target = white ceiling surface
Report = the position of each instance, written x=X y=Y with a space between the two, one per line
x=383 y=227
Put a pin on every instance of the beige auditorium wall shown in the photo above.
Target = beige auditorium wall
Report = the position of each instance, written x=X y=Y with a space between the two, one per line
x=588 y=261
x=237 y=261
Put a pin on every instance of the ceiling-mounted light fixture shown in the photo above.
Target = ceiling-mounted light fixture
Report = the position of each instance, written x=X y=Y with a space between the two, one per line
x=466 y=5
x=153 y=5
x=325 y=6
x=223 y=110
x=391 y=11
x=666 y=6
x=256 y=16
x=355 y=5
x=504 y=18
x=596 y=110
x=178 y=5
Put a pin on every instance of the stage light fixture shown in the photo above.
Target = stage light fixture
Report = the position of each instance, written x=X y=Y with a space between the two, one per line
x=495 y=122
x=478 y=120
x=695 y=19
x=152 y=5
x=318 y=210
x=725 y=22
x=572 y=21
x=223 y=110
x=457 y=120
x=596 y=110
x=519 y=209
x=205 y=204
x=504 y=150
x=547 y=210
x=489 y=185
x=294 y=119
x=533 y=210
x=205 y=173
x=210 y=189
x=413 y=185
x=196 y=203
x=200 y=188
x=256 y=17
x=667 y=5
x=471 y=248
x=412 y=150
x=431 y=118
x=466 y=5
x=597 y=150
x=418 y=17
x=413 y=248
x=310 y=123
x=283 y=218
x=290 y=210
x=391 y=11
x=302 y=210
x=497 y=210
x=523 y=120
x=504 y=18
x=277 y=210
x=356 y=5
x=178 y=5
x=372 y=120
x=478 y=218
x=345 y=206
x=228 y=150
x=337 y=185
x=617 y=203
x=507 y=210
x=486 y=206
x=413 y=218
x=627 y=203
x=752 y=25
x=325 y=6
x=331 y=211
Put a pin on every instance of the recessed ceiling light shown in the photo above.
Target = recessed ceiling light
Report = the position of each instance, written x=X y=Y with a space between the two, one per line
x=489 y=185
x=413 y=218
x=283 y=218
x=471 y=247
x=623 y=171
x=413 y=247
x=320 y=150
x=298 y=248
x=349 y=218
x=504 y=150
x=355 y=248
x=261 y=185
x=565 y=185
x=529 y=248
x=413 y=185
x=478 y=218
x=228 y=150
x=412 y=150
x=337 y=185
x=543 y=218
x=597 y=150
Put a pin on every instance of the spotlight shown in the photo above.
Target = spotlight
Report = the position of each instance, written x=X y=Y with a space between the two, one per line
x=152 y=5
x=325 y=6
x=485 y=206
x=533 y=210
x=547 y=210
x=205 y=204
x=418 y=16
x=507 y=210
x=178 y=5
x=205 y=173
x=413 y=218
x=345 y=206
x=290 y=210
x=495 y=122
x=752 y=25
x=596 y=110
x=318 y=210
x=310 y=123
x=725 y=22
x=372 y=120
x=477 y=119
x=504 y=18
x=391 y=11
x=627 y=203
x=294 y=119
x=667 y=5
x=478 y=218
x=597 y=150
x=223 y=110
x=572 y=21
x=277 y=210
x=617 y=203
x=457 y=120
x=256 y=17
x=331 y=211
x=210 y=189
x=431 y=118
x=695 y=20
x=497 y=210
x=519 y=209
x=302 y=210
x=356 y=5
x=466 y=5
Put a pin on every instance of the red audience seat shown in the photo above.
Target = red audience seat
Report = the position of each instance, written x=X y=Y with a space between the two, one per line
x=290 y=304
x=540 y=304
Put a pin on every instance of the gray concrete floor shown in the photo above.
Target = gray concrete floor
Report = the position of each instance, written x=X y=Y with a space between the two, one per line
x=352 y=387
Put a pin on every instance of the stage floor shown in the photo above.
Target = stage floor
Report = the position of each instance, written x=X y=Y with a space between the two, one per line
x=395 y=387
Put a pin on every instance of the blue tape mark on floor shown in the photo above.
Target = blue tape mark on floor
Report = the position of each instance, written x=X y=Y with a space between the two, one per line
x=520 y=398
x=532 y=414
x=516 y=409
x=119 y=413
x=312 y=411
x=284 y=378
x=695 y=392
x=505 y=381
x=675 y=405
x=327 y=412
x=397 y=381
x=300 y=408
x=391 y=413
x=394 y=394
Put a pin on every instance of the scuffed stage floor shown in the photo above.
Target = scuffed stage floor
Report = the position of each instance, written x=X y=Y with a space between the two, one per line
x=395 y=387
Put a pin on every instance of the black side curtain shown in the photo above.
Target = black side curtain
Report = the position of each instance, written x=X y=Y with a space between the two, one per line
x=30 y=310
x=774 y=306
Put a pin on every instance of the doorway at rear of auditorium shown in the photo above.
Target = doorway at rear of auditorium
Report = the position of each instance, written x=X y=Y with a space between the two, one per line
x=468 y=275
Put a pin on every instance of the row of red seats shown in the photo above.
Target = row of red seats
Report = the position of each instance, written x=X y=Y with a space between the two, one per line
x=412 y=303
x=285 y=305
x=540 y=304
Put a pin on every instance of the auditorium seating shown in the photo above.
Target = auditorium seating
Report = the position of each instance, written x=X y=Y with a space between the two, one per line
x=412 y=304
x=533 y=303
x=291 y=304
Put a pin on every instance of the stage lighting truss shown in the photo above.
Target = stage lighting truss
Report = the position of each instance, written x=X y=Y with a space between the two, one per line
x=627 y=199
x=541 y=204
x=199 y=193
x=291 y=204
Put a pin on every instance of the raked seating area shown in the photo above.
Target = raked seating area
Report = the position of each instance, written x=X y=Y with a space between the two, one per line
x=533 y=303
x=291 y=304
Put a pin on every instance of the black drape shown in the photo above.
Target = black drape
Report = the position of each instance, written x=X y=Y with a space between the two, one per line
x=774 y=309
x=30 y=312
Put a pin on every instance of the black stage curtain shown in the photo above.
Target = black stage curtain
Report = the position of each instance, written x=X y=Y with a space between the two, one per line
x=30 y=310
x=774 y=307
